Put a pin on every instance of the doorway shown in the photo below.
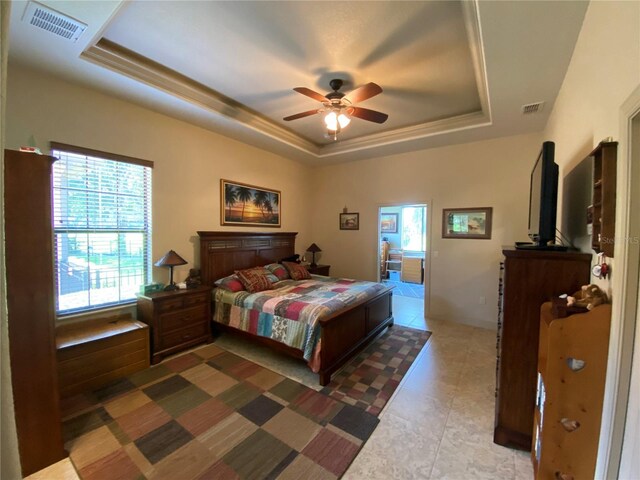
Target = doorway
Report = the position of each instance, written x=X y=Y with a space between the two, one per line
x=403 y=249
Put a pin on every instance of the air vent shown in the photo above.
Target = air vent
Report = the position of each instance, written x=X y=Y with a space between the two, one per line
x=57 y=23
x=532 y=108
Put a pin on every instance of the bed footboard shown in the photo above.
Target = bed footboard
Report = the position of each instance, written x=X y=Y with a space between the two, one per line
x=345 y=334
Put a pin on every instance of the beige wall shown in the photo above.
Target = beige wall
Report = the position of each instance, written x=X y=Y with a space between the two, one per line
x=10 y=464
x=493 y=173
x=604 y=70
x=189 y=161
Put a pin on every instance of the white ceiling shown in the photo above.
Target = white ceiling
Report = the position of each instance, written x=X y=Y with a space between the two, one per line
x=451 y=71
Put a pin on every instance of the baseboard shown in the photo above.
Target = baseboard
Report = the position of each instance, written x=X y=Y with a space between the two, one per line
x=474 y=322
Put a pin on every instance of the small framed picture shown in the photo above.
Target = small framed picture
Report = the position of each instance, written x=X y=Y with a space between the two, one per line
x=349 y=221
x=389 y=223
x=467 y=222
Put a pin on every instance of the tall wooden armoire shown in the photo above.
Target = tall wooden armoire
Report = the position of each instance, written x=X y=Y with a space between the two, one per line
x=30 y=308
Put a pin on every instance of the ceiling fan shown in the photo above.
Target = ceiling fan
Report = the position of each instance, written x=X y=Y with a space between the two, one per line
x=339 y=106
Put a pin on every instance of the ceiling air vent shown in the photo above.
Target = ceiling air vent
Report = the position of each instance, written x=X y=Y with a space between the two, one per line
x=532 y=108
x=55 y=22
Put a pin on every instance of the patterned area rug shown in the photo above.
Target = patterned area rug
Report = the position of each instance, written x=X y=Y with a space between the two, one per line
x=211 y=414
x=370 y=378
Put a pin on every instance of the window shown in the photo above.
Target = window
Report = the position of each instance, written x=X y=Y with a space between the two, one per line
x=102 y=228
x=413 y=229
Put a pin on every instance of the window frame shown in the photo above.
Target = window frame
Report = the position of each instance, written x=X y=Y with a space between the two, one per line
x=424 y=228
x=57 y=149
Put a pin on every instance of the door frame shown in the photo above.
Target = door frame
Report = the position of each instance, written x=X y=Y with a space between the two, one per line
x=624 y=326
x=427 y=238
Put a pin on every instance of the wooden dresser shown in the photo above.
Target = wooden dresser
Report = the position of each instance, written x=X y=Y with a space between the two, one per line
x=528 y=279
x=178 y=320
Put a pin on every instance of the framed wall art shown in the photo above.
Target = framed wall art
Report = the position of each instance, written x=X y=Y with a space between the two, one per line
x=389 y=223
x=349 y=221
x=467 y=222
x=248 y=205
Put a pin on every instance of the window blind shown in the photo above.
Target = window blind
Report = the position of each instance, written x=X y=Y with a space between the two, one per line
x=102 y=230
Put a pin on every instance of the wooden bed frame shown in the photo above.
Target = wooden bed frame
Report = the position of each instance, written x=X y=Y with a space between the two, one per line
x=344 y=333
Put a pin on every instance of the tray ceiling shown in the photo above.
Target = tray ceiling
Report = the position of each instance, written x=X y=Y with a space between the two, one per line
x=231 y=66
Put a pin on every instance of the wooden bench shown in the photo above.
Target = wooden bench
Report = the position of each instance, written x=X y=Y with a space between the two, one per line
x=93 y=353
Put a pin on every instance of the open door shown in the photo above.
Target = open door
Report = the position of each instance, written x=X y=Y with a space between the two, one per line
x=403 y=248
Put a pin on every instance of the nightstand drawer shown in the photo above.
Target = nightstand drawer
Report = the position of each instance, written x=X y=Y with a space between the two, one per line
x=183 y=318
x=183 y=335
x=195 y=300
x=170 y=305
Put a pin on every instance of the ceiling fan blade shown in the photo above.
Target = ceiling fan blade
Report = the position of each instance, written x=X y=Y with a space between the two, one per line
x=366 y=114
x=300 y=115
x=363 y=93
x=310 y=93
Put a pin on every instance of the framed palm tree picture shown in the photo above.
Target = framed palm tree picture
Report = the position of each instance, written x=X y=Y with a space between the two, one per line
x=248 y=205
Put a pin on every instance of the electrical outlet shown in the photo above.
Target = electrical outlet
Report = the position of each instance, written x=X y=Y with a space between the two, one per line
x=434 y=253
x=482 y=301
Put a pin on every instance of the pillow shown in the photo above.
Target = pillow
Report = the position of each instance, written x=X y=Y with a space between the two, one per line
x=278 y=270
x=296 y=271
x=255 y=279
x=231 y=283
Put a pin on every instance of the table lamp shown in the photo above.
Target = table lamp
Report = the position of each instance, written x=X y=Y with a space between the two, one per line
x=314 y=249
x=171 y=259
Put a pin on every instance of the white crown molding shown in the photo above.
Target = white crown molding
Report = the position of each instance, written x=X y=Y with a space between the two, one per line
x=415 y=132
x=472 y=24
x=119 y=59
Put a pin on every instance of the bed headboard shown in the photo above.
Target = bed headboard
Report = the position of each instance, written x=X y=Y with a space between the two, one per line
x=221 y=253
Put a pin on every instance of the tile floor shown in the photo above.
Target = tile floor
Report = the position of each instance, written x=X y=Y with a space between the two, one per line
x=405 y=289
x=439 y=424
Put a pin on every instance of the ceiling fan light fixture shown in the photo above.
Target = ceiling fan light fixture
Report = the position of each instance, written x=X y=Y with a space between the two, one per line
x=335 y=121
x=331 y=121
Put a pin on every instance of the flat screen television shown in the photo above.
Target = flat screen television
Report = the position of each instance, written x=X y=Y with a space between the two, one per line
x=543 y=198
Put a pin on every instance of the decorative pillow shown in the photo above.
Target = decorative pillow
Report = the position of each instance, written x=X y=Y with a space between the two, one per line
x=255 y=279
x=231 y=283
x=278 y=270
x=296 y=271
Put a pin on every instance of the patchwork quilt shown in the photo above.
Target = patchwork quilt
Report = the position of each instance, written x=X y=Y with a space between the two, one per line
x=290 y=313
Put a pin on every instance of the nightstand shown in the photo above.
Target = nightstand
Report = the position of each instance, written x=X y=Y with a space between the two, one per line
x=178 y=319
x=319 y=269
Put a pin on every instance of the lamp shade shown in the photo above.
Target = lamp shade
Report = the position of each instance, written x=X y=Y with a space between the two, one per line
x=170 y=259
x=314 y=248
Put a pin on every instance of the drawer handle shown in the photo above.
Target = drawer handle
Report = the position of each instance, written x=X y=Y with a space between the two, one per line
x=186 y=336
x=564 y=476
x=575 y=364
x=570 y=425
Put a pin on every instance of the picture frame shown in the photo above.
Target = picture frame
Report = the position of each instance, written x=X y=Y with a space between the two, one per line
x=388 y=223
x=247 y=205
x=349 y=221
x=474 y=223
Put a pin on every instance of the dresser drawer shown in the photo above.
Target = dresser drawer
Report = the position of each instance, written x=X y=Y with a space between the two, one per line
x=183 y=318
x=183 y=335
x=170 y=305
x=195 y=300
